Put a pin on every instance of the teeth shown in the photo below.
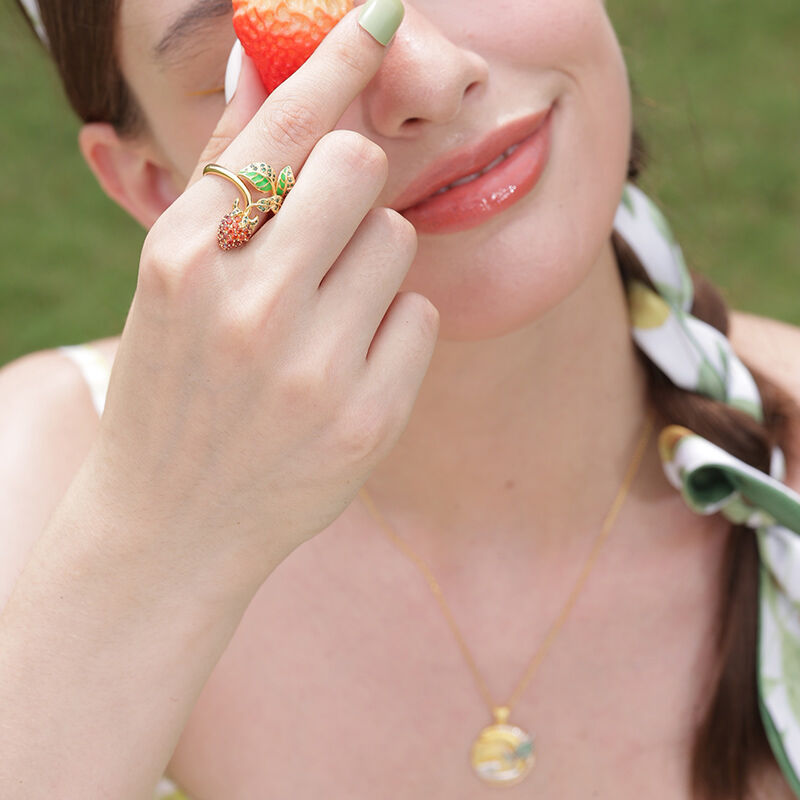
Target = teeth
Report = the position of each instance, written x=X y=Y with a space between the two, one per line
x=470 y=178
x=467 y=179
x=494 y=163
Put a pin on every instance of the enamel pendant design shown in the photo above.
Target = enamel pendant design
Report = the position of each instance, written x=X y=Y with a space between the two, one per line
x=502 y=754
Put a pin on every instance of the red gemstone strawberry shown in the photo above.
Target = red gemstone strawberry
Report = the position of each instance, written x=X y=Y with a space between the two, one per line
x=279 y=35
x=231 y=234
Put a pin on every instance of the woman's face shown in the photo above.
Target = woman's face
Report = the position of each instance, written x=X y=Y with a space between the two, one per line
x=456 y=70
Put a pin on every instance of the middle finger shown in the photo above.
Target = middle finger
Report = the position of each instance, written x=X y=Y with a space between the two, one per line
x=342 y=179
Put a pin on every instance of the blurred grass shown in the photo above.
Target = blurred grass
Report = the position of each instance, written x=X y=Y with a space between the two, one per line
x=718 y=101
x=70 y=255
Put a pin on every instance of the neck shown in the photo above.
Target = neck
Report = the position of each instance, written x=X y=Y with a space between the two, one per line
x=523 y=438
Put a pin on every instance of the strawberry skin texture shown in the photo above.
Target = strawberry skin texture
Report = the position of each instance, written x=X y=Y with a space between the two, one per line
x=279 y=35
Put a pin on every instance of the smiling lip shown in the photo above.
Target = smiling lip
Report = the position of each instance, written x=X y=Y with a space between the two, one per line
x=468 y=160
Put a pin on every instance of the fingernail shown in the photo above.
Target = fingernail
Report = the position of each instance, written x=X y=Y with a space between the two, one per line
x=233 y=71
x=381 y=18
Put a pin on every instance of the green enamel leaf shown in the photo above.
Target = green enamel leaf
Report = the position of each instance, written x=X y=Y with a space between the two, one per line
x=261 y=182
x=271 y=176
x=261 y=175
x=285 y=182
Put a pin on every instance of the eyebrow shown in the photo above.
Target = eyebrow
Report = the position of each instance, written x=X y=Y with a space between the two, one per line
x=173 y=46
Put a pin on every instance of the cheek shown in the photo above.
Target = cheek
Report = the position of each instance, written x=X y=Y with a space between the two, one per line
x=184 y=128
x=531 y=258
x=591 y=155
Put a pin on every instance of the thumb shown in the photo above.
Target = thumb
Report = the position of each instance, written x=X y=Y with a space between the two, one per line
x=244 y=95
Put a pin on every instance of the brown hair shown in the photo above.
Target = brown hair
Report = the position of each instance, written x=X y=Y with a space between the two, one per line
x=730 y=747
x=82 y=38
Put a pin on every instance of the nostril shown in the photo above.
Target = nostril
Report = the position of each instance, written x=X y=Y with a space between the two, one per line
x=411 y=122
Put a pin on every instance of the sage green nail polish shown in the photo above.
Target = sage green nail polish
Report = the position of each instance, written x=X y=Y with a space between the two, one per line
x=381 y=18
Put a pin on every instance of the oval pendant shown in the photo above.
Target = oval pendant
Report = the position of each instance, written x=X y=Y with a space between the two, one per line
x=502 y=754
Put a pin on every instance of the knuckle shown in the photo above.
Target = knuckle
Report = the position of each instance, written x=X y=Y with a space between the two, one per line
x=358 y=153
x=302 y=386
x=421 y=312
x=161 y=275
x=291 y=124
x=348 y=56
x=399 y=233
x=215 y=147
x=427 y=313
x=245 y=322
x=235 y=329
x=365 y=430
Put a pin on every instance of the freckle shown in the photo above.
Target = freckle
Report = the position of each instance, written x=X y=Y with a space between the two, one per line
x=509 y=484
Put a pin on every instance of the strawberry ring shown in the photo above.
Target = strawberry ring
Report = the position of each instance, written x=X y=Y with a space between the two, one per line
x=237 y=227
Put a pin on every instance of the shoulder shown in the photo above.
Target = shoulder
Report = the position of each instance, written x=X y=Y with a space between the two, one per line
x=770 y=345
x=45 y=381
x=47 y=423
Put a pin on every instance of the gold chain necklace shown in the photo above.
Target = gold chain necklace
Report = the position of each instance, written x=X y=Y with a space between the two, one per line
x=503 y=754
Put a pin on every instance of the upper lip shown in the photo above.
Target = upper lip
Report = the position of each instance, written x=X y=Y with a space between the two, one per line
x=470 y=158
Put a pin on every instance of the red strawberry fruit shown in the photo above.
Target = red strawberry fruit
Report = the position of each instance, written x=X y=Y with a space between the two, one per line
x=279 y=35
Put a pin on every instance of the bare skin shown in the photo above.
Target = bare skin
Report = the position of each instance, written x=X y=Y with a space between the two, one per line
x=343 y=676
x=343 y=672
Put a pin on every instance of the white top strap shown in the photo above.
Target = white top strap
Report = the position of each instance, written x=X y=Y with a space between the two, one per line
x=95 y=368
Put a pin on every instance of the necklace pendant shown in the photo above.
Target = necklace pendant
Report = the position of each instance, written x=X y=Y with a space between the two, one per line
x=502 y=754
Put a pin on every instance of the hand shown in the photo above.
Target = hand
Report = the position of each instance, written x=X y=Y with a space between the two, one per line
x=254 y=390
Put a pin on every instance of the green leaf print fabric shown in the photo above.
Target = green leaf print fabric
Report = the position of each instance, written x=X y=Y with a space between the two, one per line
x=697 y=357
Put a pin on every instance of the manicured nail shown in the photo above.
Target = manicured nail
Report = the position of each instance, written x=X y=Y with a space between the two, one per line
x=381 y=18
x=233 y=71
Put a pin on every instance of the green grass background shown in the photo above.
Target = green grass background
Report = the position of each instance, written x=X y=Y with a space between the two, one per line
x=718 y=100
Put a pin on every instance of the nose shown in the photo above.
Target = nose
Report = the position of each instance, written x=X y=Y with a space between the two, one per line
x=424 y=79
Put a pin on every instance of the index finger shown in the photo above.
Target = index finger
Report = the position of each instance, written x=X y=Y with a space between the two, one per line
x=309 y=103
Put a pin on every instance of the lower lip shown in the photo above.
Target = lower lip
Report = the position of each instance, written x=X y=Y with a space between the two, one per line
x=473 y=203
